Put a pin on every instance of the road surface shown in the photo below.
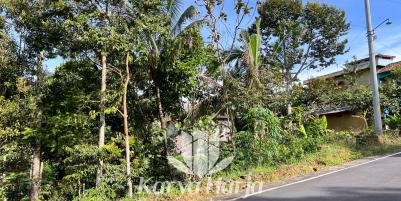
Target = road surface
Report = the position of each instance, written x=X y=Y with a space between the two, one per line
x=376 y=181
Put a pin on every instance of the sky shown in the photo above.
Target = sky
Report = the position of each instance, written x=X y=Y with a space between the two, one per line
x=388 y=36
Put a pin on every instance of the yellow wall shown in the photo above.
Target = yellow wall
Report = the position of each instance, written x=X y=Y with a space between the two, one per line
x=345 y=121
x=362 y=78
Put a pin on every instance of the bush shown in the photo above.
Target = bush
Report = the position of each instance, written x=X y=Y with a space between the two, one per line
x=394 y=122
x=293 y=148
x=265 y=142
x=257 y=143
x=97 y=195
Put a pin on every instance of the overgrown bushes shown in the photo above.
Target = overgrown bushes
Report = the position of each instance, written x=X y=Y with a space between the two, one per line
x=263 y=141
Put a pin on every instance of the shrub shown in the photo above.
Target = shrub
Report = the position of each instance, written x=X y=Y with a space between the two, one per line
x=264 y=142
x=99 y=194
x=258 y=142
x=394 y=122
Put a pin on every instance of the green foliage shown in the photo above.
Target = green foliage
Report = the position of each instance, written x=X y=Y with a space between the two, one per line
x=281 y=146
x=250 y=57
x=257 y=144
x=308 y=35
x=394 y=121
x=321 y=95
x=174 y=75
x=97 y=195
x=391 y=92
x=306 y=134
x=263 y=122
x=11 y=67
x=16 y=119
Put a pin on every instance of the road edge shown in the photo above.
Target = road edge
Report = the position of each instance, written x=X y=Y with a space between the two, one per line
x=311 y=176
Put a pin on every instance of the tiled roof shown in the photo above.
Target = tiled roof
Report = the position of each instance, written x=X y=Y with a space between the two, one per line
x=390 y=67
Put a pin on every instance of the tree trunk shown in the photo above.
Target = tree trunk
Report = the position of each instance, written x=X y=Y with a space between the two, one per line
x=156 y=80
x=160 y=107
x=36 y=159
x=35 y=174
x=126 y=131
x=102 y=128
x=161 y=116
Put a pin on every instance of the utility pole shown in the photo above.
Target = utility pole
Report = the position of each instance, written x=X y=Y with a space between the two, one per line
x=375 y=87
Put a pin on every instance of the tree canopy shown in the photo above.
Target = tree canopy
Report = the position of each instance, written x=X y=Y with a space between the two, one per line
x=133 y=75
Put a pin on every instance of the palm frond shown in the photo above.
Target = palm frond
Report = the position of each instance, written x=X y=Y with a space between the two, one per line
x=188 y=14
x=174 y=8
x=196 y=23
x=254 y=50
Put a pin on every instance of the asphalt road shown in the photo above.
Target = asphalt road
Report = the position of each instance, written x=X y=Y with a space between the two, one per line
x=376 y=181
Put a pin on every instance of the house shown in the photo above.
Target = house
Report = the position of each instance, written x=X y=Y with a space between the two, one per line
x=359 y=70
x=359 y=73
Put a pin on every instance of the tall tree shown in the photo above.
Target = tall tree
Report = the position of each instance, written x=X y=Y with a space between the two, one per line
x=16 y=108
x=92 y=33
x=40 y=34
x=11 y=63
x=298 y=36
x=166 y=31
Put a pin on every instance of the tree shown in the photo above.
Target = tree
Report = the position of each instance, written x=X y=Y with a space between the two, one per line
x=134 y=65
x=17 y=109
x=72 y=93
x=219 y=75
x=126 y=131
x=11 y=64
x=40 y=34
x=92 y=31
x=391 y=92
x=17 y=122
x=163 y=37
x=297 y=36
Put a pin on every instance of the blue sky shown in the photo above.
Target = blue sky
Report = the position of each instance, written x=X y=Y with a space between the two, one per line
x=388 y=37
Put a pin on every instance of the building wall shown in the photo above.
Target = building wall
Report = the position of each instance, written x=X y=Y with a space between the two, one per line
x=345 y=121
x=362 y=78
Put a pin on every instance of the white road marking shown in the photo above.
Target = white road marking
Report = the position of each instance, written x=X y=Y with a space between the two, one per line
x=315 y=177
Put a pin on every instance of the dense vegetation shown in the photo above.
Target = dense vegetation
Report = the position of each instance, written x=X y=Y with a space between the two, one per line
x=132 y=70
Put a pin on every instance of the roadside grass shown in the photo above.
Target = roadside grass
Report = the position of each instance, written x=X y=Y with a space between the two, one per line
x=331 y=154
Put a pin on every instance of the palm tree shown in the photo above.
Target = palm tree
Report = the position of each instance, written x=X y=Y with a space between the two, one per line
x=158 y=44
